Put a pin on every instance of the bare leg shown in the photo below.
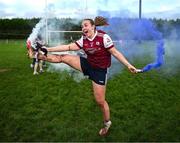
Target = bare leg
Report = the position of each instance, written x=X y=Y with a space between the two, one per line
x=71 y=60
x=35 y=68
x=99 y=94
x=41 y=66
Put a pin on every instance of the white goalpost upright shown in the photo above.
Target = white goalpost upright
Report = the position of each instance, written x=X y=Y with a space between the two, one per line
x=48 y=32
x=46 y=20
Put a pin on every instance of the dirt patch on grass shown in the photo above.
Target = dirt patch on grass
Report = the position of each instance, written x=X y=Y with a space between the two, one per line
x=4 y=70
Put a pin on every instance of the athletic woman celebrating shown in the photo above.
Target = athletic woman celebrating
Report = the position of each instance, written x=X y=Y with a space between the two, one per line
x=99 y=47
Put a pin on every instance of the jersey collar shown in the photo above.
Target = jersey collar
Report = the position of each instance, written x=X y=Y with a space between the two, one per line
x=92 y=37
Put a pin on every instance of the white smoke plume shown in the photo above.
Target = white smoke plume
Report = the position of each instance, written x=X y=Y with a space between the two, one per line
x=54 y=39
x=38 y=30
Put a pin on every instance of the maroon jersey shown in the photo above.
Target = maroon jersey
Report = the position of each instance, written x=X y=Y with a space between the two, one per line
x=97 y=49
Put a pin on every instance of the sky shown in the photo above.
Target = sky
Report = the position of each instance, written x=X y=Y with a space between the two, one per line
x=165 y=9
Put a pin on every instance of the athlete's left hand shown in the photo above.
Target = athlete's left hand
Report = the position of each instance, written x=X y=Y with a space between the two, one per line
x=132 y=69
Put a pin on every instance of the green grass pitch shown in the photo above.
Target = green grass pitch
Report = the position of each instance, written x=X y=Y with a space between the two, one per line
x=144 y=107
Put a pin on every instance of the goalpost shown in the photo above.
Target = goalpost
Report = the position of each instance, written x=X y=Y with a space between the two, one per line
x=49 y=33
x=70 y=36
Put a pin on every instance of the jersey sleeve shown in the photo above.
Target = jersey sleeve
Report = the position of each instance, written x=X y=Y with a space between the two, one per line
x=79 y=42
x=108 y=43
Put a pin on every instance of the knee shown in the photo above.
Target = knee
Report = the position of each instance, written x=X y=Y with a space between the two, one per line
x=100 y=102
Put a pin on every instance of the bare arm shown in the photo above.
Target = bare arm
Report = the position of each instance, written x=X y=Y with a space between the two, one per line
x=119 y=56
x=61 y=48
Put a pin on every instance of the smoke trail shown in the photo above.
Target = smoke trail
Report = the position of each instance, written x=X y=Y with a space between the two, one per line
x=159 y=57
x=38 y=30
x=147 y=30
x=133 y=33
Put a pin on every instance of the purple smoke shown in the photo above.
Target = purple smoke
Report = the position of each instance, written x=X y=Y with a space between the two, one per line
x=135 y=31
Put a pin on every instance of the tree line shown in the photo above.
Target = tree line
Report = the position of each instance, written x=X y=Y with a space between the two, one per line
x=19 y=28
